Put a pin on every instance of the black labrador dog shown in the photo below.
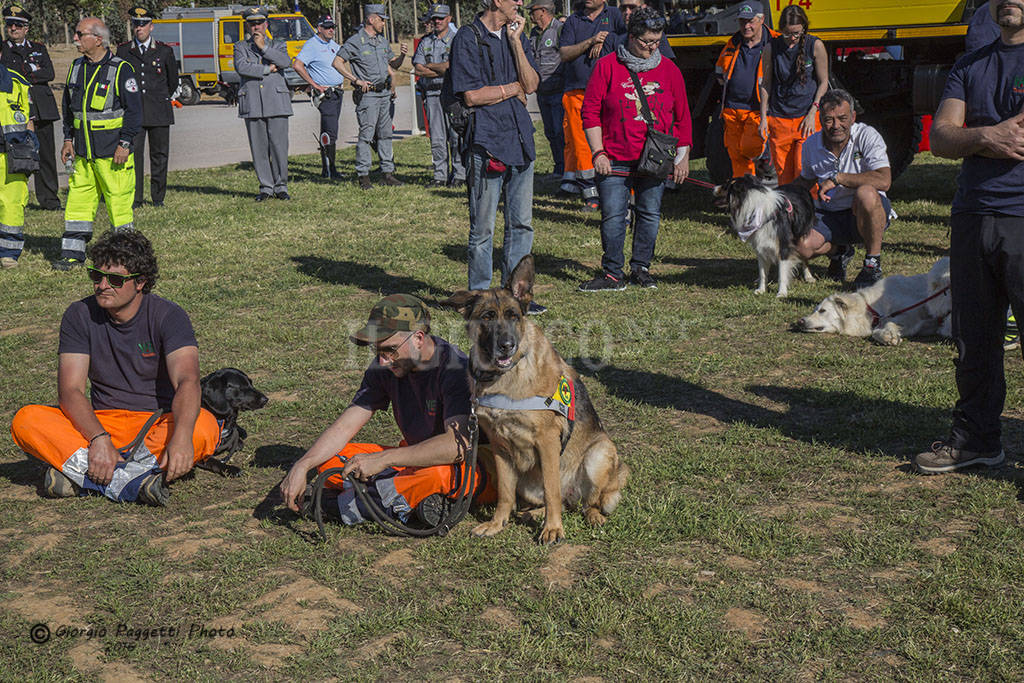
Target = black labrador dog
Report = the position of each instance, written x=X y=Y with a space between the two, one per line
x=226 y=392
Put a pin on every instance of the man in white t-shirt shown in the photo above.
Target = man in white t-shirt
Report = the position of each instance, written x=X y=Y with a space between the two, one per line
x=848 y=162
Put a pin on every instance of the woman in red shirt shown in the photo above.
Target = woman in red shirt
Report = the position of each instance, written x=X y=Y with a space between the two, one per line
x=616 y=131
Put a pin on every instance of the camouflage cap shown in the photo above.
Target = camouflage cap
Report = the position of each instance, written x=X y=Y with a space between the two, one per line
x=394 y=313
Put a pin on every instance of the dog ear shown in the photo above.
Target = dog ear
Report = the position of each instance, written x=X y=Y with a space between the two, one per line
x=462 y=301
x=214 y=395
x=521 y=282
x=841 y=304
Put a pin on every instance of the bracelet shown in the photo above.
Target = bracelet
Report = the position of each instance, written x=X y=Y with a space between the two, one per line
x=816 y=106
x=98 y=436
x=595 y=155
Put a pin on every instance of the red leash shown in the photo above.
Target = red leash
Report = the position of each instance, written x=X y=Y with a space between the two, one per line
x=876 y=317
x=688 y=179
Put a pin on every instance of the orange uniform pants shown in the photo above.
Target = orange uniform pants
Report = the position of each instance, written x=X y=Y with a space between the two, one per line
x=579 y=163
x=46 y=433
x=786 y=142
x=403 y=488
x=742 y=139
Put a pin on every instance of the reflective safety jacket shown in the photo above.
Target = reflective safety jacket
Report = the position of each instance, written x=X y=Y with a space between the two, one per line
x=102 y=106
x=727 y=62
x=14 y=103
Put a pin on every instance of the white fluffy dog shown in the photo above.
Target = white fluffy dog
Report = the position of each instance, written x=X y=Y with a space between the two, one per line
x=894 y=307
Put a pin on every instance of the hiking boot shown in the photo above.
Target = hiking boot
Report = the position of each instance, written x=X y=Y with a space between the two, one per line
x=837 y=263
x=641 y=277
x=1011 y=339
x=867 y=276
x=67 y=263
x=945 y=458
x=154 y=491
x=7 y=262
x=603 y=283
x=431 y=510
x=57 y=485
x=536 y=309
x=390 y=179
x=364 y=182
x=590 y=206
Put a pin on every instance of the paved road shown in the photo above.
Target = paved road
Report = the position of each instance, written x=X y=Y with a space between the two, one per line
x=211 y=134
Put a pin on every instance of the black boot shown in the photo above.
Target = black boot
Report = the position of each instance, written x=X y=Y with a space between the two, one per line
x=325 y=170
x=331 y=149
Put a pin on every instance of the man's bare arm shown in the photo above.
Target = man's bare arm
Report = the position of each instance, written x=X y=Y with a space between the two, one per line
x=183 y=371
x=949 y=139
x=880 y=179
x=443 y=449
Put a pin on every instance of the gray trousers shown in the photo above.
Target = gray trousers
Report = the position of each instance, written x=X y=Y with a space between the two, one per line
x=373 y=112
x=444 y=141
x=268 y=142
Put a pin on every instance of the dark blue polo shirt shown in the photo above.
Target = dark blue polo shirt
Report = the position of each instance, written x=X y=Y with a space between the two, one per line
x=741 y=91
x=504 y=129
x=578 y=27
x=990 y=82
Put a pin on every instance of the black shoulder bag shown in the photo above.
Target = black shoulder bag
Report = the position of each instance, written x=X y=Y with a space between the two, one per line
x=659 y=153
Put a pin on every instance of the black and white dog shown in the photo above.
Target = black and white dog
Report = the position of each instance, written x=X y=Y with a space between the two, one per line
x=225 y=392
x=771 y=221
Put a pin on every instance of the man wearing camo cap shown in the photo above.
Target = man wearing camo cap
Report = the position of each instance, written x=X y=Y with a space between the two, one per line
x=424 y=380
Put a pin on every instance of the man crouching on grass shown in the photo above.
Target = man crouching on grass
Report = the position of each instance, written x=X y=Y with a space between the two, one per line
x=138 y=352
x=424 y=380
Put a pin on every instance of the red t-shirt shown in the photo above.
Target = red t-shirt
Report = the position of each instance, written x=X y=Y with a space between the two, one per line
x=611 y=103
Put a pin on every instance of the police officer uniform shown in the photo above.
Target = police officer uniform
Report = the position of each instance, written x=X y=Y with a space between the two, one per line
x=102 y=111
x=156 y=70
x=369 y=57
x=444 y=141
x=265 y=103
x=317 y=56
x=14 y=110
x=31 y=60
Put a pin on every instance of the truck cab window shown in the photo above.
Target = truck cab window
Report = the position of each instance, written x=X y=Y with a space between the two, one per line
x=232 y=32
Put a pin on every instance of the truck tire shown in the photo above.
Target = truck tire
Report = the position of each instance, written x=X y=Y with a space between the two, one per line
x=902 y=137
x=187 y=93
x=715 y=155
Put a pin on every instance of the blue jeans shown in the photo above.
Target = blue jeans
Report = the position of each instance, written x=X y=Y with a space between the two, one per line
x=485 y=188
x=551 y=114
x=614 y=193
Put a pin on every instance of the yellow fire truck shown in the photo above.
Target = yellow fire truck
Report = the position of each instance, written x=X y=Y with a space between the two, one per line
x=203 y=40
x=892 y=56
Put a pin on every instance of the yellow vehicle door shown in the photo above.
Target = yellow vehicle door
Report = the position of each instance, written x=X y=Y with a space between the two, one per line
x=229 y=33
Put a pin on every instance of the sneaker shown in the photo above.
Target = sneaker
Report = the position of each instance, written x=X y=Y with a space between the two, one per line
x=67 y=263
x=364 y=182
x=535 y=309
x=390 y=179
x=837 y=263
x=590 y=206
x=57 y=485
x=431 y=510
x=154 y=491
x=1011 y=340
x=945 y=458
x=602 y=283
x=7 y=262
x=867 y=276
x=641 y=277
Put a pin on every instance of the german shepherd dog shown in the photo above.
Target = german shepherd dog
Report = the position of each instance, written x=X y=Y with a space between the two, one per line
x=539 y=454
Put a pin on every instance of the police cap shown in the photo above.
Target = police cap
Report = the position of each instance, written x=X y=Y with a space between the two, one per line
x=140 y=15
x=16 y=14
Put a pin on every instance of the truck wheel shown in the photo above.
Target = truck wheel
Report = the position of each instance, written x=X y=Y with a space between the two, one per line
x=715 y=155
x=902 y=137
x=187 y=93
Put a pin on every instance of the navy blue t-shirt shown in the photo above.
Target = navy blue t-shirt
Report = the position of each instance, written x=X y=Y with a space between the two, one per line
x=127 y=361
x=504 y=130
x=790 y=98
x=741 y=91
x=577 y=28
x=990 y=82
x=421 y=400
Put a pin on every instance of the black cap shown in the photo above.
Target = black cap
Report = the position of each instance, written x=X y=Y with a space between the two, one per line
x=140 y=15
x=254 y=14
x=327 y=21
x=17 y=14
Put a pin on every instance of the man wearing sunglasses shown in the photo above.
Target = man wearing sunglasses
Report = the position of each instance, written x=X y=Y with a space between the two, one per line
x=102 y=116
x=265 y=103
x=430 y=63
x=137 y=353
x=315 y=64
x=424 y=380
x=157 y=72
x=31 y=60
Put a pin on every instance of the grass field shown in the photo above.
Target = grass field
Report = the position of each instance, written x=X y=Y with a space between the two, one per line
x=772 y=528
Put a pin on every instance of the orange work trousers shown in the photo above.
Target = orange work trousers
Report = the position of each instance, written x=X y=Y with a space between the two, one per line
x=403 y=488
x=786 y=142
x=578 y=159
x=46 y=433
x=742 y=139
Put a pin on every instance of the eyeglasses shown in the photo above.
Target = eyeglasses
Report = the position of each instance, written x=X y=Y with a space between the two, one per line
x=15 y=24
x=79 y=34
x=649 y=44
x=115 y=280
x=798 y=34
x=389 y=353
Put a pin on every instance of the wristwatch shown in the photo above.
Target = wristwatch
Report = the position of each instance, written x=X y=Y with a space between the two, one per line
x=834 y=178
x=124 y=145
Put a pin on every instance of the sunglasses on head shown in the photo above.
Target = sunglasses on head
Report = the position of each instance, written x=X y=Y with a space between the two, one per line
x=115 y=280
x=655 y=24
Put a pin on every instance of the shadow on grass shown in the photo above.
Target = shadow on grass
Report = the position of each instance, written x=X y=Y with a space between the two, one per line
x=366 y=277
x=209 y=189
x=917 y=249
x=930 y=181
x=277 y=455
x=27 y=472
x=49 y=247
x=712 y=273
x=554 y=266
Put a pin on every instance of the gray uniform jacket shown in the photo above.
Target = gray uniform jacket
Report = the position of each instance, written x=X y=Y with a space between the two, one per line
x=262 y=93
x=545 y=46
x=368 y=56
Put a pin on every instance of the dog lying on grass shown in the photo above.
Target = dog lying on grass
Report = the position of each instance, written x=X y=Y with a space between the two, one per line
x=895 y=307
x=548 y=443
x=771 y=221
x=225 y=393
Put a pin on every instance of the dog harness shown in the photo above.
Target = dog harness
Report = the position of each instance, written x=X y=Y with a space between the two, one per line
x=563 y=402
x=877 y=317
